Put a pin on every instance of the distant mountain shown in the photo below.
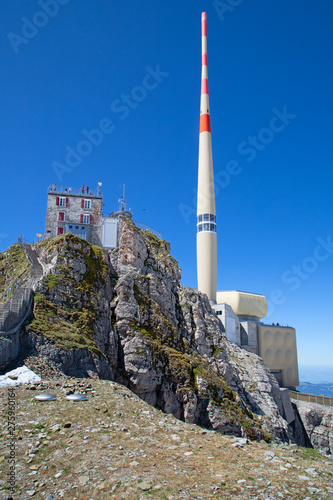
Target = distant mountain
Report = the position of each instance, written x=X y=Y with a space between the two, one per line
x=317 y=389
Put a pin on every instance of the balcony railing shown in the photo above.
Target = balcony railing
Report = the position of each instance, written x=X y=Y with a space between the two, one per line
x=65 y=190
x=311 y=398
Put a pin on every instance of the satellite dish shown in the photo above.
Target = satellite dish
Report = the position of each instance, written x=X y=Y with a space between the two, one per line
x=76 y=397
x=45 y=397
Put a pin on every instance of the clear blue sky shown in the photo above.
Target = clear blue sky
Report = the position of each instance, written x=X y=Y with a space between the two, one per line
x=265 y=58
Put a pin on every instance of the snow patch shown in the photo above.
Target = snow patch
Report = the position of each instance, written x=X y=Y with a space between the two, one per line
x=23 y=374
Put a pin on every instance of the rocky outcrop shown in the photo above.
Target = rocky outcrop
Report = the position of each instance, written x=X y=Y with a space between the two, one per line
x=318 y=424
x=123 y=315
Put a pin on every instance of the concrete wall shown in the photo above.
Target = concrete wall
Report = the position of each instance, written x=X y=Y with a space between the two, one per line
x=207 y=263
x=230 y=322
x=110 y=232
x=277 y=347
x=243 y=303
x=249 y=335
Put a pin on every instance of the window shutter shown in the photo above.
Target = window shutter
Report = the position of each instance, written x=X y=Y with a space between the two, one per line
x=91 y=219
x=66 y=202
x=81 y=218
x=82 y=203
x=57 y=201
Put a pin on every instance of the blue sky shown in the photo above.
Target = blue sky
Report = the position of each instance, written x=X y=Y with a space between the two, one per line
x=132 y=69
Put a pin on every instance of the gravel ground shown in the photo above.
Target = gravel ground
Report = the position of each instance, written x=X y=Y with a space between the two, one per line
x=114 y=445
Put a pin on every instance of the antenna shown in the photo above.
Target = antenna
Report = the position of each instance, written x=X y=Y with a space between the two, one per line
x=122 y=211
x=123 y=204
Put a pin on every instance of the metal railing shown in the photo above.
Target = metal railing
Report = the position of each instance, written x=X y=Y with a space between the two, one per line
x=84 y=190
x=13 y=311
x=8 y=292
x=141 y=225
x=17 y=298
x=311 y=398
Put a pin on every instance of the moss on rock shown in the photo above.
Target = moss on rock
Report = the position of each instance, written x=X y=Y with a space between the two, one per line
x=14 y=265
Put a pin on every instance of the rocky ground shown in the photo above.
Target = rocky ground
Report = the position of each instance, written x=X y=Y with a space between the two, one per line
x=114 y=445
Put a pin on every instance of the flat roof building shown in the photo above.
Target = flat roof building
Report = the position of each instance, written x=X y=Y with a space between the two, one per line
x=74 y=210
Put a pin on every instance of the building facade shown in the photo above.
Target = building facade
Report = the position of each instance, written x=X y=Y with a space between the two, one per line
x=74 y=210
x=241 y=314
x=79 y=211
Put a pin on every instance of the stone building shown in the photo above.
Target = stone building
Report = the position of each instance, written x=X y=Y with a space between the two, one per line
x=80 y=211
x=74 y=210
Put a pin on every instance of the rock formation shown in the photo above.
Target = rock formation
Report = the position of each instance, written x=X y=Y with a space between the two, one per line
x=318 y=424
x=124 y=315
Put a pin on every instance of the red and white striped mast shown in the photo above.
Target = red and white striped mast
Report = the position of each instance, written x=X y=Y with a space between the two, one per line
x=206 y=211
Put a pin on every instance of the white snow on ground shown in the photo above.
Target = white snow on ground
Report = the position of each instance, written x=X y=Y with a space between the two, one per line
x=23 y=374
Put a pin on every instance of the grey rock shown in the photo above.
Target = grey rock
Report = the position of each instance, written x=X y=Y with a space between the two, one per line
x=83 y=480
x=318 y=424
x=144 y=486
x=312 y=472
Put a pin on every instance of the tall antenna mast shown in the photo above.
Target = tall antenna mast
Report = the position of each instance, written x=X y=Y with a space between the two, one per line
x=206 y=211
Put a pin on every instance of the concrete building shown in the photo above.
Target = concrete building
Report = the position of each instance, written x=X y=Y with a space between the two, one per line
x=241 y=315
x=277 y=347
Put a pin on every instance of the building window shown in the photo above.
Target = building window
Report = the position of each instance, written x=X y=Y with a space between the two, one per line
x=61 y=216
x=86 y=204
x=60 y=230
x=61 y=202
x=206 y=222
x=86 y=218
x=206 y=218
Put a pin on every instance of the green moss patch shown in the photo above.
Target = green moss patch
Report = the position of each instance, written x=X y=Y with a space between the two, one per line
x=14 y=265
x=62 y=325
